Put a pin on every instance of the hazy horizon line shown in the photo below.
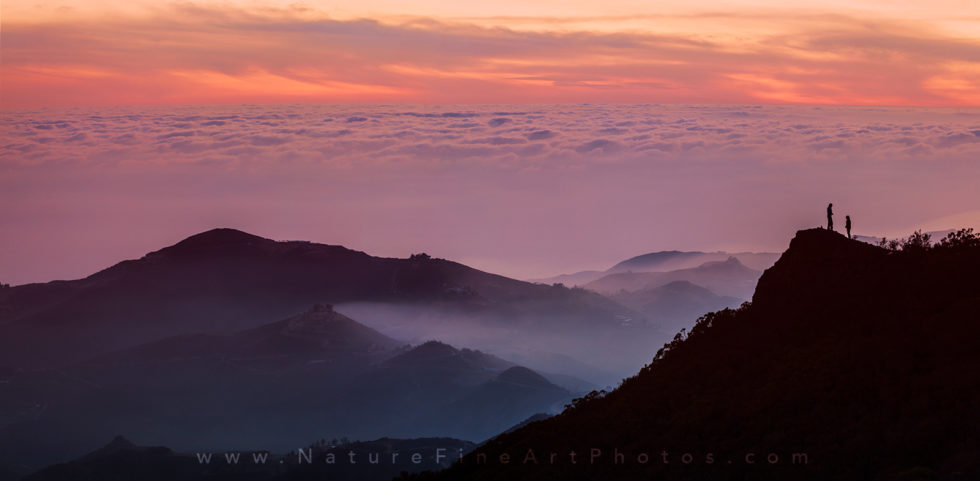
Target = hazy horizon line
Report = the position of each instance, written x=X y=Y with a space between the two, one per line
x=532 y=279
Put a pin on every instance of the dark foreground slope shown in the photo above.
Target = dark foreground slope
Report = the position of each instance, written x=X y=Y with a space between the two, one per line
x=852 y=362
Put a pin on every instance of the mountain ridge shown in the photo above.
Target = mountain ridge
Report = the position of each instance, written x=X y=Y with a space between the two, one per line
x=228 y=280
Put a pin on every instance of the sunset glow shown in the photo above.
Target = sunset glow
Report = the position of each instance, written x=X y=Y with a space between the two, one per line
x=514 y=136
x=98 y=53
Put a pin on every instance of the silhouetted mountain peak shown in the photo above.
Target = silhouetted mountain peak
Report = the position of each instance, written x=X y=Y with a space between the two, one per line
x=117 y=443
x=221 y=235
x=216 y=241
x=731 y=263
x=438 y=355
x=821 y=240
x=651 y=260
x=433 y=350
x=826 y=260
x=327 y=328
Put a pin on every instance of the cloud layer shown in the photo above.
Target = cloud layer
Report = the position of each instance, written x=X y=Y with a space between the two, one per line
x=511 y=137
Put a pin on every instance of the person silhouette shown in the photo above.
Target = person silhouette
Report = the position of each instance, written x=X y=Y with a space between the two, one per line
x=830 y=216
x=847 y=225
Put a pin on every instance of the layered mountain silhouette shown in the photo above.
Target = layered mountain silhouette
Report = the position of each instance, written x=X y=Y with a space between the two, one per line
x=728 y=278
x=663 y=261
x=223 y=281
x=226 y=280
x=852 y=362
x=669 y=288
x=319 y=373
x=674 y=260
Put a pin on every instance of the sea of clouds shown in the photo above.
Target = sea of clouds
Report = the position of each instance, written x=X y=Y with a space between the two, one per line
x=514 y=137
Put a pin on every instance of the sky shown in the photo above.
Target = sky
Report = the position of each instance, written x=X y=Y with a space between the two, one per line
x=865 y=52
x=527 y=138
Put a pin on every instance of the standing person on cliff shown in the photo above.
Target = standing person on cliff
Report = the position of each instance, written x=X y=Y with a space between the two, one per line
x=830 y=216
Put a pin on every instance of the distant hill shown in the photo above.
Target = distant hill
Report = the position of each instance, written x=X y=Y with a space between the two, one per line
x=728 y=278
x=226 y=280
x=852 y=363
x=674 y=260
x=663 y=261
x=318 y=373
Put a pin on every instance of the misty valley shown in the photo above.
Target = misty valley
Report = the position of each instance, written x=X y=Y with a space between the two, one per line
x=227 y=340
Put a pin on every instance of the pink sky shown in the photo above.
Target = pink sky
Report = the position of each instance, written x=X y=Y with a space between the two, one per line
x=516 y=136
x=868 y=52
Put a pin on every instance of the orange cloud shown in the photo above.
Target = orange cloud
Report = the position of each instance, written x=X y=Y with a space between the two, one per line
x=189 y=55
